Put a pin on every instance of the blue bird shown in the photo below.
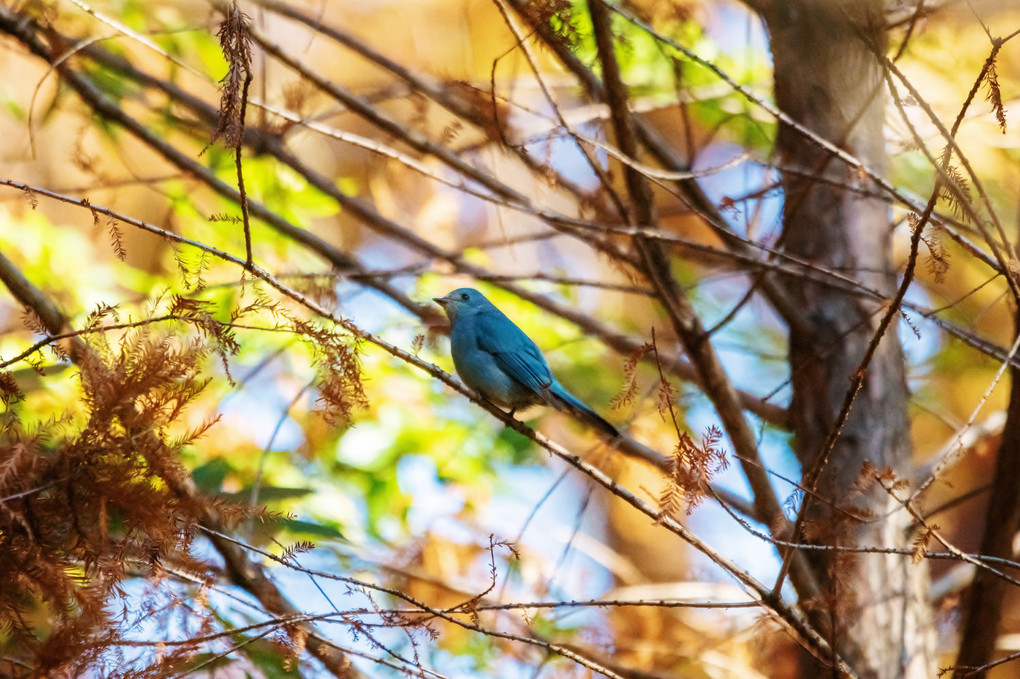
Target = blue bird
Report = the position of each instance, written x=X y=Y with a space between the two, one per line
x=495 y=358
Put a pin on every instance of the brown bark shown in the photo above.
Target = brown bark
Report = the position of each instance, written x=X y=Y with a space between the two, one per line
x=828 y=80
x=983 y=604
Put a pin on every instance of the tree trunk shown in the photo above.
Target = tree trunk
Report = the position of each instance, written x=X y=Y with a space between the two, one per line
x=982 y=609
x=828 y=79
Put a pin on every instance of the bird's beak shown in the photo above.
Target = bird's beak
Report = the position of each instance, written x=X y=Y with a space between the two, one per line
x=441 y=301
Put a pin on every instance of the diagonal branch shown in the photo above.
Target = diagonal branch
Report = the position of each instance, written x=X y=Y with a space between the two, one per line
x=619 y=342
x=689 y=190
x=687 y=326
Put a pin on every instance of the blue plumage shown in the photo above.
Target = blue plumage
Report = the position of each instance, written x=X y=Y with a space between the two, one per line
x=494 y=357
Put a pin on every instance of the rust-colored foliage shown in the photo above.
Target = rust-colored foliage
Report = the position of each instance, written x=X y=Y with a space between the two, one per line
x=9 y=389
x=994 y=96
x=82 y=502
x=88 y=501
x=957 y=199
x=629 y=391
x=921 y=542
x=235 y=41
x=938 y=255
x=339 y=371
x=691 y=467
x=557 y=13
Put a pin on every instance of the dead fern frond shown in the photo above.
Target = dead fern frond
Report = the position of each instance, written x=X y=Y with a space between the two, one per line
x=338 y=366
x=959 y=199
x=200 y=268
x=691 y=468
x=417 y=343
x=920 y=543
x=994 y=96
x=222 y=336
x=95 y=317
x=224 y=217
x=667 y=396
x=866 y=478
x=629 y=391
x=31 y=320
x=9 y=389
x=938 y=259
x=33 y=200
x=297 y=548
x=235 y=41
x=116 y=240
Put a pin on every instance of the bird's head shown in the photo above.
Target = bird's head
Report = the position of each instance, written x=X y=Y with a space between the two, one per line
x=463 y=302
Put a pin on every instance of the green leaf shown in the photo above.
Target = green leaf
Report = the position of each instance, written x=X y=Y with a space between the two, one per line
x=309 y=528
x=209 y=477
x=268 y=494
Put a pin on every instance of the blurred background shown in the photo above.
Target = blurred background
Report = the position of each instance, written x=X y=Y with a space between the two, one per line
x=394 y=151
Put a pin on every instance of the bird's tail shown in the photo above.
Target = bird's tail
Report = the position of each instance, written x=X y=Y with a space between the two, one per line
x=561 y=399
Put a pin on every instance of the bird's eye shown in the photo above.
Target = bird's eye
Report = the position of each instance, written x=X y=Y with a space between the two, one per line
x=464 y=296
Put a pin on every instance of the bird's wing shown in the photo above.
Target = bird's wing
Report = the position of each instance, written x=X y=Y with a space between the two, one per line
x=514 y=352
